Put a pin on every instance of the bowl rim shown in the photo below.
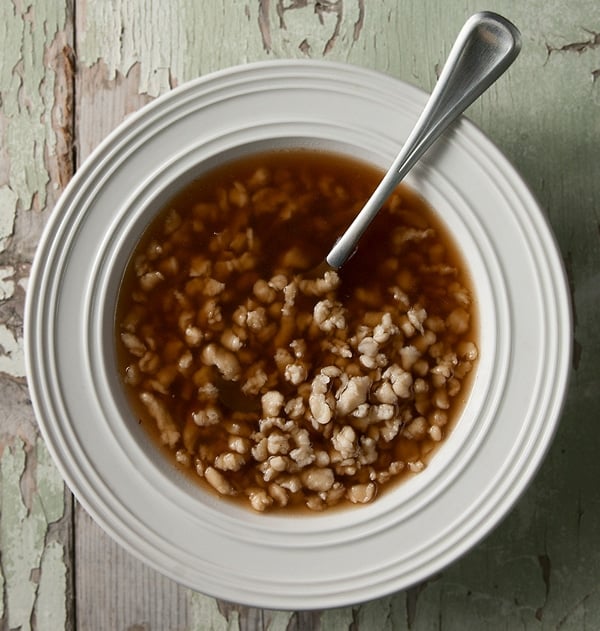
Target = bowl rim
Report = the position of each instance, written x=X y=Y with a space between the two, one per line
x=144 y=202
x=42 y=341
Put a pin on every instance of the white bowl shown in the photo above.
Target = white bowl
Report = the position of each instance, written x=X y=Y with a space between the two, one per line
x=321 y=560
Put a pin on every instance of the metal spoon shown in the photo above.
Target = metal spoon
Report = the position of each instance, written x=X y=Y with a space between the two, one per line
x=485 y=47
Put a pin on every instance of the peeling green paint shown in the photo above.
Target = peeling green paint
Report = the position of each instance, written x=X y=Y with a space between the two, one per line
x=314 y=29
x=150 y=33
x=27 y=86
x=337 y=619
x=7 y=284
x=153 y=43
x=50 y=487
x=2 y=585
x=205 y=615
x=378 y=614
x=169 y=46
x=8 y=210
x=280 y=620
x=12 y=357
x=50 y=606
x=24 y=526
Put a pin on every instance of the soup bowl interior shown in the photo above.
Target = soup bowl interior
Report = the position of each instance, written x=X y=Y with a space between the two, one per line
x=135 y=216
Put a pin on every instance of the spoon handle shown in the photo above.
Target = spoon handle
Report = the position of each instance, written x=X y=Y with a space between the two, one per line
x=485 y=47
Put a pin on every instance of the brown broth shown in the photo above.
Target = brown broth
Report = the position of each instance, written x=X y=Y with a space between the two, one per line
x=313 y=198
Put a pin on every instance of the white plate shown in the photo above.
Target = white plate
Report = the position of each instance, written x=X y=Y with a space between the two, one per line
x=323 y=560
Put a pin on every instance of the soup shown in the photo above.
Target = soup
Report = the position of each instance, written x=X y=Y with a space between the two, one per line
x=278 y=387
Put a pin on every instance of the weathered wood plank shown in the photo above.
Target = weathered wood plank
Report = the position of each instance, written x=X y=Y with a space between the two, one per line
x=35 y=163
x=116 y=591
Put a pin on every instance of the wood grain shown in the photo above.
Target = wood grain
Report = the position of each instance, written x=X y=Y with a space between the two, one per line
x=72 y=70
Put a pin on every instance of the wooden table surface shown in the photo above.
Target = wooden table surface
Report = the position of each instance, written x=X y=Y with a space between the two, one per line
x=71 y=70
